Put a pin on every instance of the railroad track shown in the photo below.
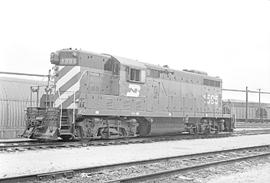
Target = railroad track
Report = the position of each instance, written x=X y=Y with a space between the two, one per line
x=147 y=170
x=37 y=145
x=14 y=146
x=202 y=162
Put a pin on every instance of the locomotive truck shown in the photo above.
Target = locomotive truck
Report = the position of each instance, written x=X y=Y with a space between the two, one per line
x=105 y=96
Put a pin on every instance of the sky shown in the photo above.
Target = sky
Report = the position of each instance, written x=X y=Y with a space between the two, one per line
x=225 y=38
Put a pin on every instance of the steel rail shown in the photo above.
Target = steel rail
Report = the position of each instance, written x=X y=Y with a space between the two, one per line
x=27 y=144
x=36 y=145
x=71 y=172
x=101 y=142
x=168 y=173
x=17 y=141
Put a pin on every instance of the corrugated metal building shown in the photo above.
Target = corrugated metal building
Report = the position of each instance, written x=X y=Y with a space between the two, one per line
x=238 y=109
x=14 y=98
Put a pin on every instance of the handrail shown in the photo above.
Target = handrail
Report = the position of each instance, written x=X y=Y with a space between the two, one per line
x=73 y=117
x=61 y=110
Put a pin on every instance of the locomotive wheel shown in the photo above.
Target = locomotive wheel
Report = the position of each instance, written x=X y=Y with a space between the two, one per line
x=144 y=127
x=123 y=132
x=67 y=138
x=193 y=129
x=78 y=132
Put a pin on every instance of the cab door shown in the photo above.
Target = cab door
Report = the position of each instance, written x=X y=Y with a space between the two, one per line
x=153 y=95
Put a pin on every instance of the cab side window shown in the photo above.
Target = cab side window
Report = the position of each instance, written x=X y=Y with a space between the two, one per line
x=112 y=66
x=135 y=75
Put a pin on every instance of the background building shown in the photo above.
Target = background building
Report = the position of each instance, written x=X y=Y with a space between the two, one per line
x=15 y=96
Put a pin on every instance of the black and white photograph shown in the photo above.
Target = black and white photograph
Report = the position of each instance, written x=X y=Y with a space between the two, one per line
x=120 y=91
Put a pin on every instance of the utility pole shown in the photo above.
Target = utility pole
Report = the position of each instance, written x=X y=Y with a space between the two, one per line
x=246 y=104
x=260 y=112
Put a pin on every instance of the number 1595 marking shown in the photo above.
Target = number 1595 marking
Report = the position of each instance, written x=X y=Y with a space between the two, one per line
x=211 y=99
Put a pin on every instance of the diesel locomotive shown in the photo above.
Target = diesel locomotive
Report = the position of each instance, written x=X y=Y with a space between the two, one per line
x=105 y=96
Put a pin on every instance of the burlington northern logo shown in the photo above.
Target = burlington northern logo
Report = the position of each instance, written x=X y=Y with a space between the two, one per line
x=134 y=90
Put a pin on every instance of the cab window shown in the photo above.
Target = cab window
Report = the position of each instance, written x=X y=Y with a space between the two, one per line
x=112 y=66
x=135 y=75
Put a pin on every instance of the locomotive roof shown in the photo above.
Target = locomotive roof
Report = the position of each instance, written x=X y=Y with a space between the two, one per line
x=143 y=65
x=130 y=62
x=122 y=60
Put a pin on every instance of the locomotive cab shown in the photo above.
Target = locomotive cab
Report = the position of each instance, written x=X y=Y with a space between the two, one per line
x=85 y=82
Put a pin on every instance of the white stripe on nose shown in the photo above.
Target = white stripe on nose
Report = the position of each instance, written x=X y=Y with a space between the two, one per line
x=60 y=67
x=67 y=94
x=72 y=106
x=67 y=77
